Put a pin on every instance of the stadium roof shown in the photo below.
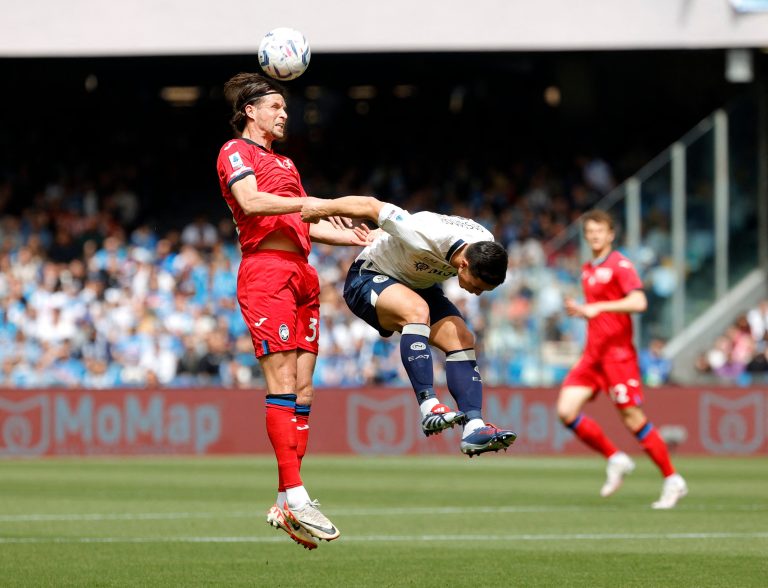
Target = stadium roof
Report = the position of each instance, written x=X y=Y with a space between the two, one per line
x=36 y=28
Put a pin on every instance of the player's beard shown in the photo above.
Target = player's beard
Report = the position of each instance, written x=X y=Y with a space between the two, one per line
x=279 y=132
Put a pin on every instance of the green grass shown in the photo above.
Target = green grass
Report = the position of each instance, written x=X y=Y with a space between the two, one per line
x=494 y=520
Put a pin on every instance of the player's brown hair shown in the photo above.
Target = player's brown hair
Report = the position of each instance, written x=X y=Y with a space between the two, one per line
x=599 y=216
x=246 y=88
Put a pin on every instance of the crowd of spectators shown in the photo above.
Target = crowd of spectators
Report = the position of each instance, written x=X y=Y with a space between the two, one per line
x=93 y=295
x=740 y=354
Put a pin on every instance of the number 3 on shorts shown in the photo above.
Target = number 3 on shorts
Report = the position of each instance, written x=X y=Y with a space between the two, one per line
x=313 y=328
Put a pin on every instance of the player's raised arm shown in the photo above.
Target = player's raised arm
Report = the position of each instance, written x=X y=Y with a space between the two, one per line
x=366 y=207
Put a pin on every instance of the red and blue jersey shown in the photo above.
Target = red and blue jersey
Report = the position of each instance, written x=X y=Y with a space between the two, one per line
x=275 y=174
x=609 y=334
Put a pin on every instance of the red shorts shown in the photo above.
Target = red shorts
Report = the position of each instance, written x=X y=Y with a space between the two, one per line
x=279 y=296
x=621 y=379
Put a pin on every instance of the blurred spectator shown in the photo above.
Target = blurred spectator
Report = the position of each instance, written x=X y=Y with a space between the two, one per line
x=654 y=367
x=741 y=353
x=200 y=233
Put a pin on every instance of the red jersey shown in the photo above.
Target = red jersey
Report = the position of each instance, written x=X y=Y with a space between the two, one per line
x=609 y=334
x=275 y=174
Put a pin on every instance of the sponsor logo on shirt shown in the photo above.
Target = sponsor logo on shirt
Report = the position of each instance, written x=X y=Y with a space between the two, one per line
x=284 y=163
x=603 y=275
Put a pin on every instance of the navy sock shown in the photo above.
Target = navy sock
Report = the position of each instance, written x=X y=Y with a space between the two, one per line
x=416 y=355
x=464 y=382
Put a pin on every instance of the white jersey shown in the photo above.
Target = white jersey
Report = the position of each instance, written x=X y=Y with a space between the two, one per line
x=416 y=249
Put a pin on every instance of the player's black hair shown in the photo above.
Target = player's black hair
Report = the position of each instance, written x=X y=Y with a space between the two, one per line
x=245 y=88
x=488 y=261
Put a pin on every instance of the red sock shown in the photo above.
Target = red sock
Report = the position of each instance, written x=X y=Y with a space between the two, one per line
x=281 y=429
x=302 y=429
x=590 y=433
x=302 y=435
x=656 y=449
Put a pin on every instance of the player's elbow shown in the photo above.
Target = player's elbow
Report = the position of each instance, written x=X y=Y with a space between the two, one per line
x=373 y=208
x=248 y=208
x=640 y=302
x=252 y=205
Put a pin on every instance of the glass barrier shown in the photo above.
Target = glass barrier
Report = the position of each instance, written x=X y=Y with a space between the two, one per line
x=529 y=339
x=699 y=226
x=743 y=159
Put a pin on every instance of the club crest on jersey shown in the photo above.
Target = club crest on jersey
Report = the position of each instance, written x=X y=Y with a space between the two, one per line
x=284 y=163
x=379 y=279
x=284 y=332
x=421 y=266
x=603 y=275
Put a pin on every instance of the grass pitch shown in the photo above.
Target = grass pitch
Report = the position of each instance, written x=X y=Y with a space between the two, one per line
x=498 y=520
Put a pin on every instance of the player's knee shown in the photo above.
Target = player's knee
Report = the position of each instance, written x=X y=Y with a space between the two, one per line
x=567 y=412
x=466 y=338
x=415 y=313
x=305 y=395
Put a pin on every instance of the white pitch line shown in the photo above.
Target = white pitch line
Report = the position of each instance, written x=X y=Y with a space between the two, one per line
x=137 y=516
x=399 y=538
x=359 y=512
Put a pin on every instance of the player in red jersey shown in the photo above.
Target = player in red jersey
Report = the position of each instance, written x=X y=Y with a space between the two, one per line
x=613 y=291
x=278 y=290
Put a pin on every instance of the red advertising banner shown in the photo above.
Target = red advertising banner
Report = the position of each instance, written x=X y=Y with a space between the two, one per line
x=718 y=421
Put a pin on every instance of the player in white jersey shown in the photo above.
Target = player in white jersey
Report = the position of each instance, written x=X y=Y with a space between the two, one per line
x=394 y=286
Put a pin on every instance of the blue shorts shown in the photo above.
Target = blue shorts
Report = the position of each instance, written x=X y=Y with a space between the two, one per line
x=361 y=285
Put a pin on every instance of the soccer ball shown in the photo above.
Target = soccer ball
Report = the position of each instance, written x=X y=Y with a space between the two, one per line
x=284 y=53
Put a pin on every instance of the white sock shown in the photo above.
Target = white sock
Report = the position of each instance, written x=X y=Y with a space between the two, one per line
x=472 y=426
x=426 y=406
x=280 y=499
x=296 y=497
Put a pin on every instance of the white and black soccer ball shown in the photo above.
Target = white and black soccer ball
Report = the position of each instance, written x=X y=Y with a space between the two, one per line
x=284 y=53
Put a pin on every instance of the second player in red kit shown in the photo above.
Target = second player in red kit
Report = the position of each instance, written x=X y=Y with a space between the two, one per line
x=612 y=291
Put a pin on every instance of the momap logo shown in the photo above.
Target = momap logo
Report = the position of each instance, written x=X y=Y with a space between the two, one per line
x=24 y=426
x=106 y=422
x=418 y=346
x=732 y=426
x=379 y=426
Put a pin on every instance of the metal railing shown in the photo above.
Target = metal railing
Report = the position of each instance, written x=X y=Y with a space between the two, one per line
x=688 y=220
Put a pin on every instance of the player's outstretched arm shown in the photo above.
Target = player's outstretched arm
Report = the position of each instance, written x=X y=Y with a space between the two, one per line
x=351 y=206
x=254 y=202
x=325 y=232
